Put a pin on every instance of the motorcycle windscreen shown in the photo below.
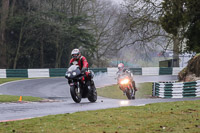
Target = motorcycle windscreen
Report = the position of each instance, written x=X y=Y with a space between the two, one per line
x=73 y=71
x=72 y=68
x=123 y=77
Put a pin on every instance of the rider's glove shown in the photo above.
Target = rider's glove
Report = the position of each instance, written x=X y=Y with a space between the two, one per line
x=83 y=70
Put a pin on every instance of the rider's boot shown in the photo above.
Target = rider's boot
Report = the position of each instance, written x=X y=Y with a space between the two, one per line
x=124 y=93
x=136 y=89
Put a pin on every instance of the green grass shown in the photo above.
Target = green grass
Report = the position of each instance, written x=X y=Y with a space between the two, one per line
x=4 y=80
x=176 y=117
x=144 y=91
x=11 y=98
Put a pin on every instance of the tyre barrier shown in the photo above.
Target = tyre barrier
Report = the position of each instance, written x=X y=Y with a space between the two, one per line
x=176 y=90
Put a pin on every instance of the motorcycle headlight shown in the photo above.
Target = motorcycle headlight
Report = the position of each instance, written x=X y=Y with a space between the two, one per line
x=74 y=73
x=68 y=74
x=125 y=81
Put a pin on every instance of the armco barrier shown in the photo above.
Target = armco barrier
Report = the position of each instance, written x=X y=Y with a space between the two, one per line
x=165 y=71
x=35 y=73
x=2 y=73
x=57 y=72
x=112 y=71
x=177 y=90
x=19 y=73
x=98 y=70
x=150 y=71
x=136 y=71
x=176 y=70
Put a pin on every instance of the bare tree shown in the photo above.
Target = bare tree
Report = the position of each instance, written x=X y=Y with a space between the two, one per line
x=142 y=26
x=105 y=26
x=4 y=16
x=146 y=15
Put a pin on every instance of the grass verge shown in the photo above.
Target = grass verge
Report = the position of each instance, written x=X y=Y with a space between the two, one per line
x=175 y=117
x=11 y=98
x=4 y=80
x=145 y=91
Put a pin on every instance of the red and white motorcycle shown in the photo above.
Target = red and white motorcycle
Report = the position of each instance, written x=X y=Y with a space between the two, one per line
x=125 y=84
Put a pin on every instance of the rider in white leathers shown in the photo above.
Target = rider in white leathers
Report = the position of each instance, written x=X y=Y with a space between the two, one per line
x=122 y=69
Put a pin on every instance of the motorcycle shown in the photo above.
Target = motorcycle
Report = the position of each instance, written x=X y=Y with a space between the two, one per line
x=125 y=84
x=79 y=87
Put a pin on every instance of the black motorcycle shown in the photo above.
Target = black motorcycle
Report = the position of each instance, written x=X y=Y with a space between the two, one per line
x=80 y=86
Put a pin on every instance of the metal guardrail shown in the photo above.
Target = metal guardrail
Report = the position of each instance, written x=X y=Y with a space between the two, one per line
x=21 y=73
x=165 y=71
x=98 y=70
x=57 y=72
x=136 y=71
x=32 y=73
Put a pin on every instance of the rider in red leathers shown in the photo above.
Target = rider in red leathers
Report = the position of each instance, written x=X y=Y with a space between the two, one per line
x=81 y=61
x=77 y=58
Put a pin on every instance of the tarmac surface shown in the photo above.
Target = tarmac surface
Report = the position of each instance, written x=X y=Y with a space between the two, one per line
x=59 y=101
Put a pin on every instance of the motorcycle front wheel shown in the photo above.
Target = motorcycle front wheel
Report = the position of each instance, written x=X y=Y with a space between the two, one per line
x=92 y=93
x=130 y=94
x=76 y=94
x=133 y=94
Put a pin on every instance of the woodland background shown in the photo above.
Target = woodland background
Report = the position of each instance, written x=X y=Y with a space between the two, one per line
x=42 y=33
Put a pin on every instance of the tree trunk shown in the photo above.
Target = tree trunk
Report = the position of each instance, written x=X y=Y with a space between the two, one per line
x=18 y=49
x=175 y=52
x=57 y=53
x=73 y=7
x=58 y=58
x=98 y=60
x=4 y=16
x=12 y=8
x=41 y=55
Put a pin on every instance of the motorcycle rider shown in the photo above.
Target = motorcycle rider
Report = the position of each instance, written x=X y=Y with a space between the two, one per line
x=122 y=69
x=81 y=61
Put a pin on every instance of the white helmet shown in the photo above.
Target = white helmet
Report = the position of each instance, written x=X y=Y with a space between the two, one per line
x=120 y=66
x=76 y=54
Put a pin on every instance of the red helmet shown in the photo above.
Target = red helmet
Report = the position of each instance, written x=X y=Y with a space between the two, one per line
x=120 y=66
x=76 y=54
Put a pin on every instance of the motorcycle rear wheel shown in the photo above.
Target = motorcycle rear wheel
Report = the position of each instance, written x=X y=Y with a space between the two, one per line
x=76 y=96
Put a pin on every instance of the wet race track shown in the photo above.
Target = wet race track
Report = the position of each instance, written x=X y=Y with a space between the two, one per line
x=57 y=89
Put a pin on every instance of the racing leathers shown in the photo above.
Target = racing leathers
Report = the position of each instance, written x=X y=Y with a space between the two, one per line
x=81 y=62
x=83 y=65
x=129 y=74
